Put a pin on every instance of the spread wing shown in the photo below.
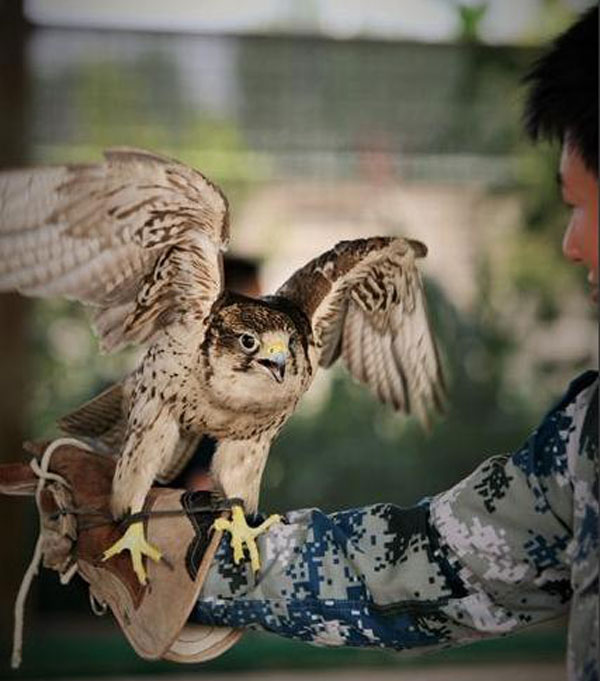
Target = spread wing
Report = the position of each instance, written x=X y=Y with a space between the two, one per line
x=365 y=302
x=137 y=237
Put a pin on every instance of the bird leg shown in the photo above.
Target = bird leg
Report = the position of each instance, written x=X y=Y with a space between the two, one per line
x=242 y=533
x=135 y=542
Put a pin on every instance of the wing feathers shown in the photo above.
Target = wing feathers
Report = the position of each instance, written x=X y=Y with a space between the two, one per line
x=351 y=347
x=103 y=234
x=365 y=301
x=395 y=375
x=101 y=421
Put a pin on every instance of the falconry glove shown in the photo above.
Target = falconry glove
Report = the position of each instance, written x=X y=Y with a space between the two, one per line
x=72 y=486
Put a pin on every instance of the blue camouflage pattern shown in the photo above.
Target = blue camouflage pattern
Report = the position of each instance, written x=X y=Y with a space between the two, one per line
x=513 y=544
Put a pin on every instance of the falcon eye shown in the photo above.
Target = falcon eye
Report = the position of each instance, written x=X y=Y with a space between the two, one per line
x=249 y=342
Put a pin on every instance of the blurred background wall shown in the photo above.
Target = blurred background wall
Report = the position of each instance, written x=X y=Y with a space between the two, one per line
x=321 y=120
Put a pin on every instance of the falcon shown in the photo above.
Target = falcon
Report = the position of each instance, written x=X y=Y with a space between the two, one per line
x=139 y=239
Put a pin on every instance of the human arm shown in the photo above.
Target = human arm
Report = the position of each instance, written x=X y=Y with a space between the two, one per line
x=489 y=556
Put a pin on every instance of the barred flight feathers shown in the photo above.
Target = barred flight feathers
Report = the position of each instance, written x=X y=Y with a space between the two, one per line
x=365 y=301
x=138 y=237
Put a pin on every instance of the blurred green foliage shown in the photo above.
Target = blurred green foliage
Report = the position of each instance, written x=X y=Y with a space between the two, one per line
x=470 y=20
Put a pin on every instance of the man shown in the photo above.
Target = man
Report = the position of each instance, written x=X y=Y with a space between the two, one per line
x=514 y=543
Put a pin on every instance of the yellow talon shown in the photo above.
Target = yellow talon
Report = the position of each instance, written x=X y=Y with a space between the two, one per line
x=135 y=542
x=242 y=533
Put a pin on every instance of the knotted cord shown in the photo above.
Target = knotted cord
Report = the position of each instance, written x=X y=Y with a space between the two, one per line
x=44 y=476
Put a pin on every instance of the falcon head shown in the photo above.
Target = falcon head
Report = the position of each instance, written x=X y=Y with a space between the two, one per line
x=255 y=354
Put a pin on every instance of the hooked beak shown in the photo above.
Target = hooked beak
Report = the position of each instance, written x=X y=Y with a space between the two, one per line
x=275 y=360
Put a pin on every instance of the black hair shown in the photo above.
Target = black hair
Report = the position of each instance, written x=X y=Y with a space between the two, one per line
x=562 y=101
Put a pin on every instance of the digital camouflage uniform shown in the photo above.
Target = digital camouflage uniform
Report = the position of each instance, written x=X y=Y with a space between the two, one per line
x=514 y=543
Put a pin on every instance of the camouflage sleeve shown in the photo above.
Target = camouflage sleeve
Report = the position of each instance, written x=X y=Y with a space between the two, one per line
x=489 y=556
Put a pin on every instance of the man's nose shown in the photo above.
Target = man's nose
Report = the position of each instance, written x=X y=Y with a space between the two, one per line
x=570 y=244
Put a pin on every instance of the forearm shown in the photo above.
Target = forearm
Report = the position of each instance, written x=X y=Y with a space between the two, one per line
x=467 y=565
x=374 y=577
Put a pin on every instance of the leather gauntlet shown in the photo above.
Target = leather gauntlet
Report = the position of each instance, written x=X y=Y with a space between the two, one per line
x=72 y=486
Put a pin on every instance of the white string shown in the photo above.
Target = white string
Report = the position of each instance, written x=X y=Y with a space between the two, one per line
x=44 y=475
x=98 y=607
x=66 y=576
x=47 y=475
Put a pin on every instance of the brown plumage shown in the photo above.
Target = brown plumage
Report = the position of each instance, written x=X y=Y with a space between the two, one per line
x=139 y=238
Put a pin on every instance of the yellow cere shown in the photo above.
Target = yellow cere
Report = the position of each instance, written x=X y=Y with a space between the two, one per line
x=276 y=347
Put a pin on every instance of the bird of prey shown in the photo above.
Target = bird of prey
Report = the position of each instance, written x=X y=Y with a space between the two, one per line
x=139 y=238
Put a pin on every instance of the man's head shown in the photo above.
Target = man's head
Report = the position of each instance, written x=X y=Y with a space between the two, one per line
x=563 y=104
